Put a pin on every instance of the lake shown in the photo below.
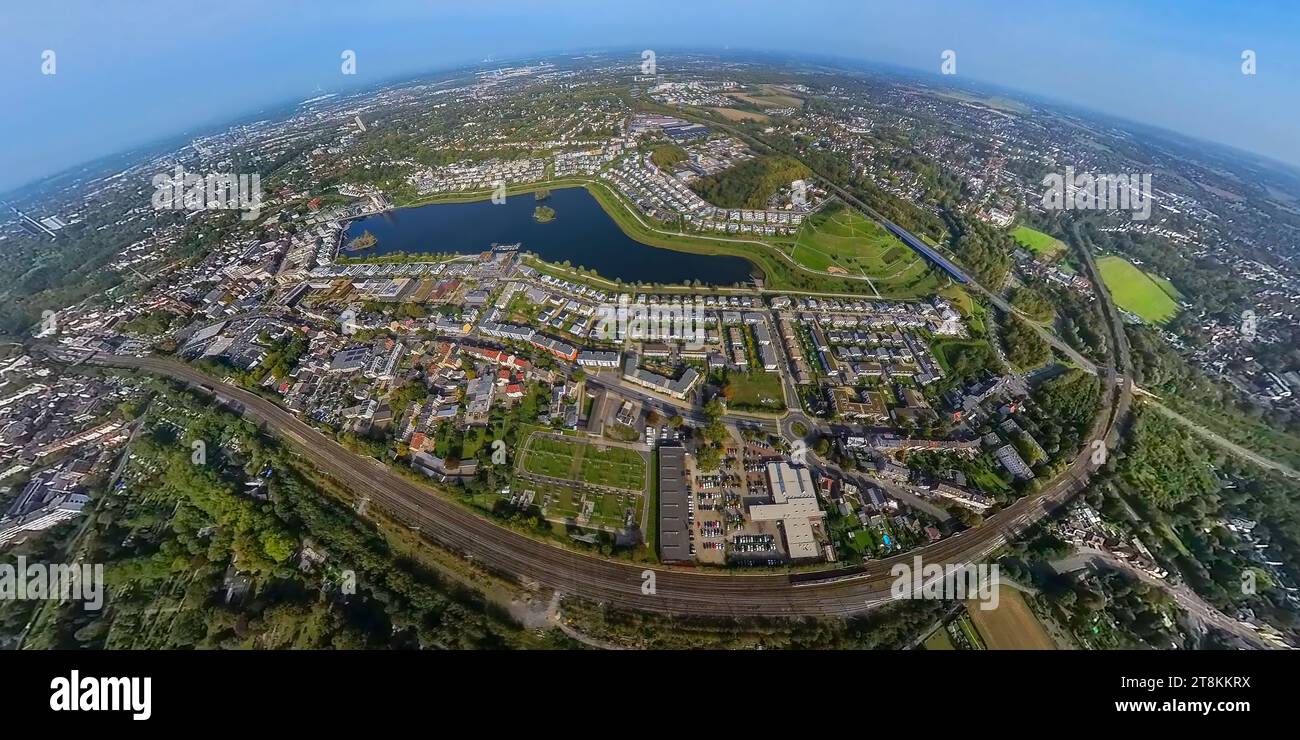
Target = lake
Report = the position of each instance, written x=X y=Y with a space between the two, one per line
x=581 y=233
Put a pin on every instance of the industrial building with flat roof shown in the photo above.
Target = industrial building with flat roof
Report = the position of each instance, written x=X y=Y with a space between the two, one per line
x=794 y=504
x=674 y=525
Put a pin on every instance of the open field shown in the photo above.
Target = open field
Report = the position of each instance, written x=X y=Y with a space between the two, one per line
x=577 y=460
x=733 y=114
x=839 y=239
x=1011 y=626
x=960 y=299
x=1044 y=246
x=751 y=390
x=1135 y=291
x=768 y=96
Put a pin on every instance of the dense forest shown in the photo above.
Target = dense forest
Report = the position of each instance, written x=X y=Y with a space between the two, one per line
x=1078 y=321
x=751 y=183
x=1177 y=493
x=1061 y=413
x=1106 y=610
x=242 y=549
x=1035 y=305
x=1024 y=347
x=1164 y=464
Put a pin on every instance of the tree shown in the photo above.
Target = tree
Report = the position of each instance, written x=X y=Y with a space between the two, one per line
x=1032 y=303
x=1025 y=348
x=713 y=410
x=715 y=432
x=708 y=459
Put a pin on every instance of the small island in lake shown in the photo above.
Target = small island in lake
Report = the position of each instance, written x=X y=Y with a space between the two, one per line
x=543 y=214
x=365 y=241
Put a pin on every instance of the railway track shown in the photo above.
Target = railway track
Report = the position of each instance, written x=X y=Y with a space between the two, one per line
x=678 y=590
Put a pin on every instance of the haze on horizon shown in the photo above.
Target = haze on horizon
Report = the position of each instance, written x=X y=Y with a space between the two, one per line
x=132 y=74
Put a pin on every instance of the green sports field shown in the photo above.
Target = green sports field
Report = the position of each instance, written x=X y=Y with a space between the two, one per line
x=1045 y=246
x=1136 y=291
x=841 y=240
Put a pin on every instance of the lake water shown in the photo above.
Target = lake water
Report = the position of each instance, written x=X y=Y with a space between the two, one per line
x=581 y=233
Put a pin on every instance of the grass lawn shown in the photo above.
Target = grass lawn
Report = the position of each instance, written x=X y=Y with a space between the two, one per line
x=465 y=445
x=849 y=535
x=983 y=474
x=1044 y=246
x=757 y=389
x=967 y=628
x=1136 y=291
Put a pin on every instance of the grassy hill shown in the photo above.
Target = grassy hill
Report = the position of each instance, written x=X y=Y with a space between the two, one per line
x=841 y=240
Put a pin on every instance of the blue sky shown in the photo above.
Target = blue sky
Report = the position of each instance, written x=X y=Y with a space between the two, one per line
x=133 y=71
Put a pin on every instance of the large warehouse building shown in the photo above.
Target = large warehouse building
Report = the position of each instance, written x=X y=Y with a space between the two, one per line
x=674 y=526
